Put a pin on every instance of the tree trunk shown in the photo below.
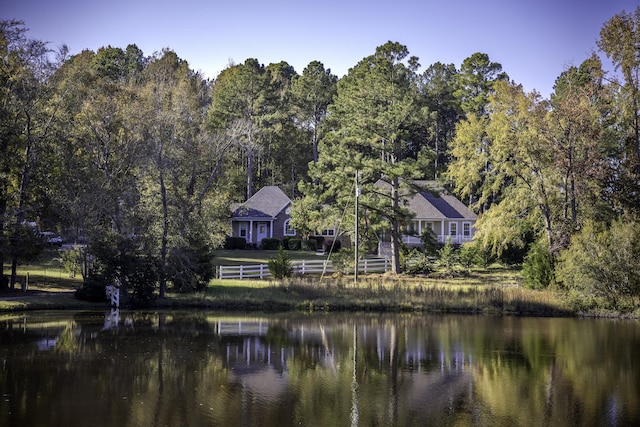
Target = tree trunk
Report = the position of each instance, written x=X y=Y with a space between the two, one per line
x=395 y=228
x=250 y=166
x=165 y=231
x=21 y=201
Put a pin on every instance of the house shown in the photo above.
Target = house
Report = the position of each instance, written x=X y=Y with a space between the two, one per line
x=263 y=215
x=266 y=215
x=439 y=211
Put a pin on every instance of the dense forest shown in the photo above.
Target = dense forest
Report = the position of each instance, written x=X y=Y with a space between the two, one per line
x=141 y=157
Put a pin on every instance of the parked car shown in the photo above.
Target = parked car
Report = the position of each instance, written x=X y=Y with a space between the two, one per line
x=51 y=238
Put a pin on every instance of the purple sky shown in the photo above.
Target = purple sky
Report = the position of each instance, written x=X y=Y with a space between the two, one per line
x=534 y=40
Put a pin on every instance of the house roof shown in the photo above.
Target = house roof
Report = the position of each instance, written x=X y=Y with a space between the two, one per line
x=437 y=206
x=268 y=202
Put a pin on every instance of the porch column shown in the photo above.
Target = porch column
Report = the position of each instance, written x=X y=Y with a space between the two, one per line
x=271 y=229
x=250 y=231
x=444 y=239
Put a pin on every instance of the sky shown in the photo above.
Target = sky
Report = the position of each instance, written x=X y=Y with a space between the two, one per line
x=534 y=40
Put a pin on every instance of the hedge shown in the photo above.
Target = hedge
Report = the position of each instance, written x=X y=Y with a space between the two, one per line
x=270 y=243
x=235 y=243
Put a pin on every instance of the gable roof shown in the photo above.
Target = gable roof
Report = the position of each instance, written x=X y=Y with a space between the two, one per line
x=268 y=202
x=438 y=206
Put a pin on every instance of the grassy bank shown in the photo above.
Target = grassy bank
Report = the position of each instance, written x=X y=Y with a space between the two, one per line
x=492 y=291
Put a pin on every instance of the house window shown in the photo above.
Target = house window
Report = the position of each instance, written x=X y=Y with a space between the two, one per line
x=288 y=231
x=466 y=229
x=453 y=229
x=328 y=232
x=242 y=229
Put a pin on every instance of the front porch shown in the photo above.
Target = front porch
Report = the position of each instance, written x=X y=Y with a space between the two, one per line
x=253 y=230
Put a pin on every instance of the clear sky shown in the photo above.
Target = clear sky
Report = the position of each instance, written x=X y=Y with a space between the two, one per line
x=534 y=40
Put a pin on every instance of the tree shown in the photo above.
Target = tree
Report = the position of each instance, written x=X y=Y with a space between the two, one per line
x=580 y=132
x=312 y=94
x=619 y=40
x=373 y=112
x=475 y=83
x=441 y=109
x=27 y=116
x=240 y=93
x=519 y=181
x=181 y=177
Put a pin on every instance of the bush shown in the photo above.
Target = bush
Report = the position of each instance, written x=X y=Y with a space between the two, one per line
x=93 y=290
x=423 y=265
x=72 y=260
x=603 y=261
x=123 y=261
x=537 y=269
x=343 y=261
x=285 y=242
x=448 y=257
x=430 y=242
x=235 y=243
x=469 y=255
x=309 y=245
x=295 y=244
x=328 y=245
x=143 y=281
x=280 y=266
x=270 y=244
x=190 y=266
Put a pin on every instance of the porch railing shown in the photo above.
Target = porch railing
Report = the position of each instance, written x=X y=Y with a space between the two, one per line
x=442 y=238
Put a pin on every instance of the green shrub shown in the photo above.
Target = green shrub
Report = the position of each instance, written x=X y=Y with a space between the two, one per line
x=235 y=243
x=309 y=245
x=93 y=289
x=469 y=255
x=537 y=269
x=270 y=244
x=72 y=260
x=280 y=266
x=295 y=244
x=430 y=242
x=143 y=281
x=422 y=265
x=190 y=266
x=285 y=242
x=448 y=257
x=602 y=261
x=343 y=261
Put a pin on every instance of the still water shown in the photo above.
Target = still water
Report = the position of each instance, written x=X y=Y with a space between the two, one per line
x=212 y=369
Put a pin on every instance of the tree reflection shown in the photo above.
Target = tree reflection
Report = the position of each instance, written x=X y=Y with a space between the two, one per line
x=191 y=368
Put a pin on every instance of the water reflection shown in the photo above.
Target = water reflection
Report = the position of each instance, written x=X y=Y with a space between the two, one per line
x=205 y=368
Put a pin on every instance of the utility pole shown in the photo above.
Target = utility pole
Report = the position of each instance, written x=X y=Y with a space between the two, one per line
x=355 y=270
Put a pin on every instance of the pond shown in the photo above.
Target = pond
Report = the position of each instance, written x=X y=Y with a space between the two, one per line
x=202 y=368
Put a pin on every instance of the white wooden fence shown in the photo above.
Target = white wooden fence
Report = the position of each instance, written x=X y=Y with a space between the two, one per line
x=260 y=271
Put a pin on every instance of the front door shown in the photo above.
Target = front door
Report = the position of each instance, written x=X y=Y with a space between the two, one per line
x=262 y=231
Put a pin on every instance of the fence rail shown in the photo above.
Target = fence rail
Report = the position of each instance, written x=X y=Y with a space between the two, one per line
x=260 y=271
